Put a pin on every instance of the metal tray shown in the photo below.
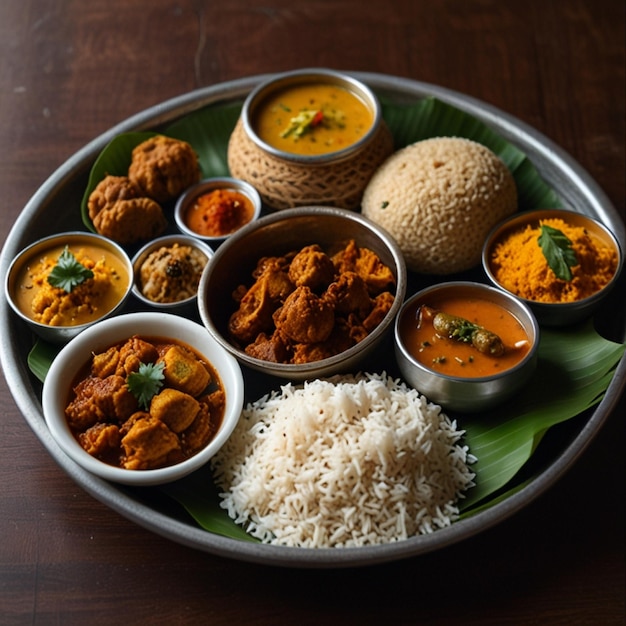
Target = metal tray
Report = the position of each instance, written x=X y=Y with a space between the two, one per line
x=55 y=207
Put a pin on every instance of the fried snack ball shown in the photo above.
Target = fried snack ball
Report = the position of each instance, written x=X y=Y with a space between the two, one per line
x=163 y=167
x=120 y=212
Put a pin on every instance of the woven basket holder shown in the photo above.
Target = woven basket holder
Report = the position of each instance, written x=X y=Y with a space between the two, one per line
x=283 y=184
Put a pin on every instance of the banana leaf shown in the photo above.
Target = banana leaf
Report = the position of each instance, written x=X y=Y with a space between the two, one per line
x=575 y=367
x=208 y=131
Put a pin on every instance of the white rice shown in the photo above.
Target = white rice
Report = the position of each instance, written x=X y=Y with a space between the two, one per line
x=350 y=461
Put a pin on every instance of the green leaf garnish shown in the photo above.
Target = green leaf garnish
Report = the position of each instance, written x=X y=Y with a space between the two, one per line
x=146 y=382
x=68 y=272
x=557 y=249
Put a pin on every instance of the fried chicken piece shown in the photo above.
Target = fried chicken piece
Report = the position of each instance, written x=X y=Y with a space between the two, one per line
x=100 y=400
x=367 y=264
x=256 y=307
x=206 y=424
x=338 y=341
x=273 y=263
x=184 y=371
x=313 y=268
x=349 y=294
x=174 y=408
x=354 y=328
x=269 y=348
x=105 y=363
x=382 y=304
x=164 y=167
x=305 y=317
x=149 y=444
x=124 y=359
x=101 y=440
x=120 y=212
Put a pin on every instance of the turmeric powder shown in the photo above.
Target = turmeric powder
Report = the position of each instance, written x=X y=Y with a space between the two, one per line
x=519 y=265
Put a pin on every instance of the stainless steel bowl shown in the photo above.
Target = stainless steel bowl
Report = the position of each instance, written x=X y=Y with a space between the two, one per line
x=306 y=77
x=467 y=394
x=276 y=234
x=205 y=186
x=62 y=334
x=555 y=313
x=180 y=306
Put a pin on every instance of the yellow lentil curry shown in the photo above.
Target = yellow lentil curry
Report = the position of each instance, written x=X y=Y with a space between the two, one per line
x=312 y=119
x=519 y=265
x=86 y=302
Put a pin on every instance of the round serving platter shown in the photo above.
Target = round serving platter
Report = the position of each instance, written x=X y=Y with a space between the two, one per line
x=60 y=198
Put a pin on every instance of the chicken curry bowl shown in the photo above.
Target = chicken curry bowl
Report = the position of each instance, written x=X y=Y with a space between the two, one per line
x=303 y=292
x=144 y=402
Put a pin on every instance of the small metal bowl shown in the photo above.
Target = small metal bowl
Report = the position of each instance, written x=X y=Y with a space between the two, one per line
x=555 y=313
x=277 y=234
x=466 y=394
x=73 y=357
x=299 y=78
x=39 y=249
x=286 y=179
x=186 y=201
x=180 y=306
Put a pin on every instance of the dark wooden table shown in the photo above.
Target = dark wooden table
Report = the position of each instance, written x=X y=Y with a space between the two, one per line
x=70 y=70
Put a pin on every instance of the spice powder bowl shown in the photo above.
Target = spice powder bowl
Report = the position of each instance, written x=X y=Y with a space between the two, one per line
x=555 y=313
x=217 y=219
x=465 y=392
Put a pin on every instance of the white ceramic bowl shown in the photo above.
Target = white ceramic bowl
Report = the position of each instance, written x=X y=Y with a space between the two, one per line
x=75 y=354
x=180 y=306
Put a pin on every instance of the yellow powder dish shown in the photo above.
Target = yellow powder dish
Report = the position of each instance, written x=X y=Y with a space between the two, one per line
x=518 y=264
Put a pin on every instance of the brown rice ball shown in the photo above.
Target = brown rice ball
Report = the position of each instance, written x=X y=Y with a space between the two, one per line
x=439 y=198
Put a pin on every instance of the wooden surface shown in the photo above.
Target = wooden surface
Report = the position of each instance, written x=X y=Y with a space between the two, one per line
x=69 y=70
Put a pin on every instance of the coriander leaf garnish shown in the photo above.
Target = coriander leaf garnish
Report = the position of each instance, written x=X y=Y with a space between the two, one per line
x=146 y=382
x=557 y=249
x=68 y=272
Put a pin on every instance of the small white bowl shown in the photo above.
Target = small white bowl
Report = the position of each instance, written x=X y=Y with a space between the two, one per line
x=100 y=336
x=180 y=306
x=208 y=185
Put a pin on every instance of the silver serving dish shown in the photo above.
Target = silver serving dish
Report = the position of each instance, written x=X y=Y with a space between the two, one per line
x=64 y=189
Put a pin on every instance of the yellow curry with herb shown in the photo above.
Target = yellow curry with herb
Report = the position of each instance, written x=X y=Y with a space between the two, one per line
x=90 y=282
x=312 y=119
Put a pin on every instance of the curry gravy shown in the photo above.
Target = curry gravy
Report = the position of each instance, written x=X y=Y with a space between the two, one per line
x=457 y=358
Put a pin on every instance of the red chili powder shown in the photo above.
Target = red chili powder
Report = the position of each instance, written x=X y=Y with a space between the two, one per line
x=219 y=213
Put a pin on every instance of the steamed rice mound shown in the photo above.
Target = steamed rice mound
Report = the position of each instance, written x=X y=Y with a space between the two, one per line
x=439 y=198
x=350 y=461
